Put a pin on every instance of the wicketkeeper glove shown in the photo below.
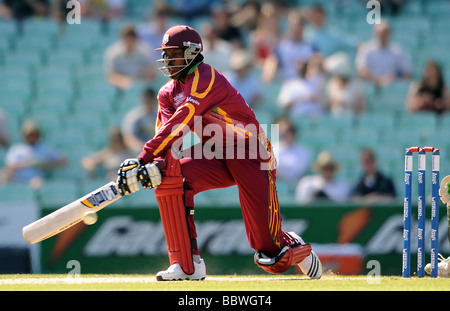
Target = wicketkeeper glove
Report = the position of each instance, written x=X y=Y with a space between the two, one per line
x=133 y=171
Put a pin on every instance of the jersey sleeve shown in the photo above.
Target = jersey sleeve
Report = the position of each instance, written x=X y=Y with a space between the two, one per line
x=165 y=111
x=175 y=128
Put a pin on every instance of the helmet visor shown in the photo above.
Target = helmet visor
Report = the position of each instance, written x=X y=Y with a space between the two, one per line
x=168 y=67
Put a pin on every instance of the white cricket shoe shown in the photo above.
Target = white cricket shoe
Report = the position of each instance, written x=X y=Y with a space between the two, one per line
x=175 y=273
x=443 y=267
x=311 y=265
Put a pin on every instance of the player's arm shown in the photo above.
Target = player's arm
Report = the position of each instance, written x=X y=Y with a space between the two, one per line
x=136 y=170
x=175 y=128
x=133 y=171
x=165 y=111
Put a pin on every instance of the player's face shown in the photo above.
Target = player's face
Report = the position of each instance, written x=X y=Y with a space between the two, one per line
x=174 y=60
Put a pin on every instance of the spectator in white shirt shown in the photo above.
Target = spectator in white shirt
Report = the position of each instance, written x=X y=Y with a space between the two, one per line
x=324 y=186
x=243 y=80
x=128 y=60
x=302 y=96
x=294 y=159
x=30 y=161
x=344 y=93
x=381 y=61
x=289 y=53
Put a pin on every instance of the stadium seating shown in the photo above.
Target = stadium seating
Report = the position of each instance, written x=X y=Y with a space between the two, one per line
x=377 y=121
x=224 y=196
x=54 y=74
x=58 y=192
x=17 y=192
x=320 y=138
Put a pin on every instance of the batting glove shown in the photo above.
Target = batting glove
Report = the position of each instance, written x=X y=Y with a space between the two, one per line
x=127 y=182
x=149 y=175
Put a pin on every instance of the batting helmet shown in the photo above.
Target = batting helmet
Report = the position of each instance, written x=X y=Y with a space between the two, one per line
x=179 y=37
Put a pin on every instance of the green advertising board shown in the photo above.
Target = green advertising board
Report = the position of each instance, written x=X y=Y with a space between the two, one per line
x=347 y=238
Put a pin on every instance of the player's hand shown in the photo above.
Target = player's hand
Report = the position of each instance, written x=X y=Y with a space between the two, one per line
x=127 y=182
x=149 y=176
x=444 y=190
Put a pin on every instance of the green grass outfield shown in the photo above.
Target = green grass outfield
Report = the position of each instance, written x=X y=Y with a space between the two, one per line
x=106 y=282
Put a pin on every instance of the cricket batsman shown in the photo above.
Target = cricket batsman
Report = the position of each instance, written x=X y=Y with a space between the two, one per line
x=200 y=99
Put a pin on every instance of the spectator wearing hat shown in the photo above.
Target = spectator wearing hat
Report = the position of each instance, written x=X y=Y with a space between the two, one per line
x=344 y=93
x=32 y=159
x=242 y=79
x=323 y=186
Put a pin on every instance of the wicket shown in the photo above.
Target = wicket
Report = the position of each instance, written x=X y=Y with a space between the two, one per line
x=421 y=210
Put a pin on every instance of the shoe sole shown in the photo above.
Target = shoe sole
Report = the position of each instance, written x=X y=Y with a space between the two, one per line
x=160 y=278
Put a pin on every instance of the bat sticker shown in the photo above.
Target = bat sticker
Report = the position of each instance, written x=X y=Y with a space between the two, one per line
x=105 y=194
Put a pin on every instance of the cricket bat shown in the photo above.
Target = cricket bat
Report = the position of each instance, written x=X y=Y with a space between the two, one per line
x=71 y=214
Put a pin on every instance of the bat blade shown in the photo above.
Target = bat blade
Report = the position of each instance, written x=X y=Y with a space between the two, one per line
x=71 y=214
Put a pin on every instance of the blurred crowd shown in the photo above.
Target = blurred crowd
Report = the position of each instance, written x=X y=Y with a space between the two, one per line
x=318 y=70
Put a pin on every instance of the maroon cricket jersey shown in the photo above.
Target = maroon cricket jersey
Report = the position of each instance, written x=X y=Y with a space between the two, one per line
x=214 y=110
